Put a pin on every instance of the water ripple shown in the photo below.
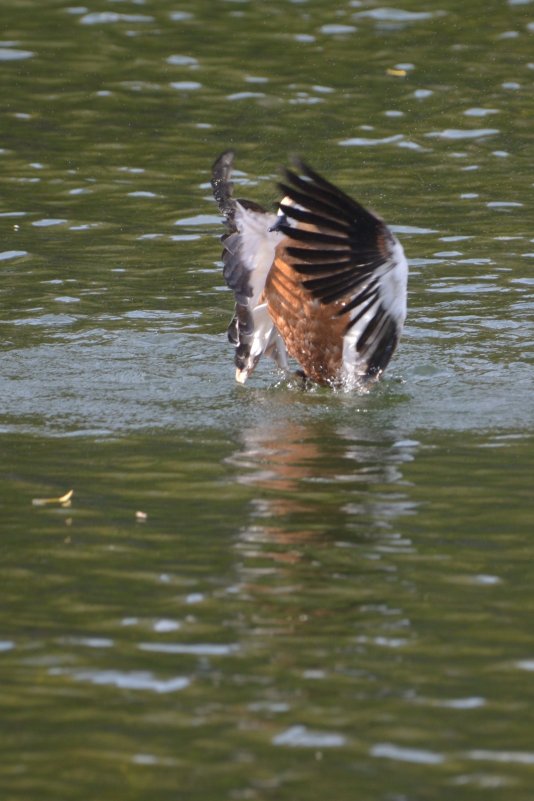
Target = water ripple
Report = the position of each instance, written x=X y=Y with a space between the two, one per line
x=200 y=219
x=480 y=112
x=337 y=30
x=398 y=15
x=12 y=54
x=474 y=702
x=245 y=95
x=182 y=61
x=402 y=754
x=460 y=133
x=362 y=141
x=132 y=680
x=197 y=649
x=12 y=254
x=302 y=737
x=180 y=16
x=185 y=86
x=107 y=17
x=526 y=664
x=513 y=757
x=47 y=222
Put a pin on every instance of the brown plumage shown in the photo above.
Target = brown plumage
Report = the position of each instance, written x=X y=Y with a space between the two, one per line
x=312 y=333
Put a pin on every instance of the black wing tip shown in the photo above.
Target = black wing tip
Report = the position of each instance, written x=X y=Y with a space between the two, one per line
x=221 y=183
x=303 y=168
x=300 y=165
x=293 y=178
x=225 y=161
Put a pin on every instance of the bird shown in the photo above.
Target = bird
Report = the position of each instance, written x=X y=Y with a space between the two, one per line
x=322 y=280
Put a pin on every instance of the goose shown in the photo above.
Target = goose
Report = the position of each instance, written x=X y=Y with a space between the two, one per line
x=322 y=280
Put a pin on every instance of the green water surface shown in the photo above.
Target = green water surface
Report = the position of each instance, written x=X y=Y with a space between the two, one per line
x=259 y=592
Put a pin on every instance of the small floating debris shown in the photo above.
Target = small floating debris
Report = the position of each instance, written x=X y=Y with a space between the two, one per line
x=141 y=517
x=64 y=500
x=396 y=72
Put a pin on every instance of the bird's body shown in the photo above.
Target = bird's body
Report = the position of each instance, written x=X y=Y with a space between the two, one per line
x=323 y=281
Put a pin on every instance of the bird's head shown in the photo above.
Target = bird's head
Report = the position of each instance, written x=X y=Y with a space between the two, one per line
x=282 y=217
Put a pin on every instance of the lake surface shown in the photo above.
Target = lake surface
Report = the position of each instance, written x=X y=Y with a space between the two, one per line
x=262 y=592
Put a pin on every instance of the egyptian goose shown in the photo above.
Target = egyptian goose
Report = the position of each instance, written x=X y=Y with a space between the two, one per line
x=323 y=280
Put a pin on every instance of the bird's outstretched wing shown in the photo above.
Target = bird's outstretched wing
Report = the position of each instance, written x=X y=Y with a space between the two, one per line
x=337 y=287
x=248 y=253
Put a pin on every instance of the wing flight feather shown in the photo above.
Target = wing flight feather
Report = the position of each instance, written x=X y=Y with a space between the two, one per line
x=348 y=260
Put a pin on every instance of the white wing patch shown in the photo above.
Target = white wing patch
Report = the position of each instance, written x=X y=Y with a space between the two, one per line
x=394 y=283
x=257 y=245
x=389 y=306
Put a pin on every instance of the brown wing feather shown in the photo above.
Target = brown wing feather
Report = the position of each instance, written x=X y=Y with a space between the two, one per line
x=344 y=296
x=312 y=331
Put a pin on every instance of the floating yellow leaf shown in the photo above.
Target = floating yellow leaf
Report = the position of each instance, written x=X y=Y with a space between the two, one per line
x=64 y=500
x=397 y=73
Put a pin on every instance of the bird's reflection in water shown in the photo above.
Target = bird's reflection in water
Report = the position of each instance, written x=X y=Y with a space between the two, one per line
x=321 y=542
x=318 y=483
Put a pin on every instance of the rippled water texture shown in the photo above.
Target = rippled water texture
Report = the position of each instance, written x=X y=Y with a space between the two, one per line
x=259 y=592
